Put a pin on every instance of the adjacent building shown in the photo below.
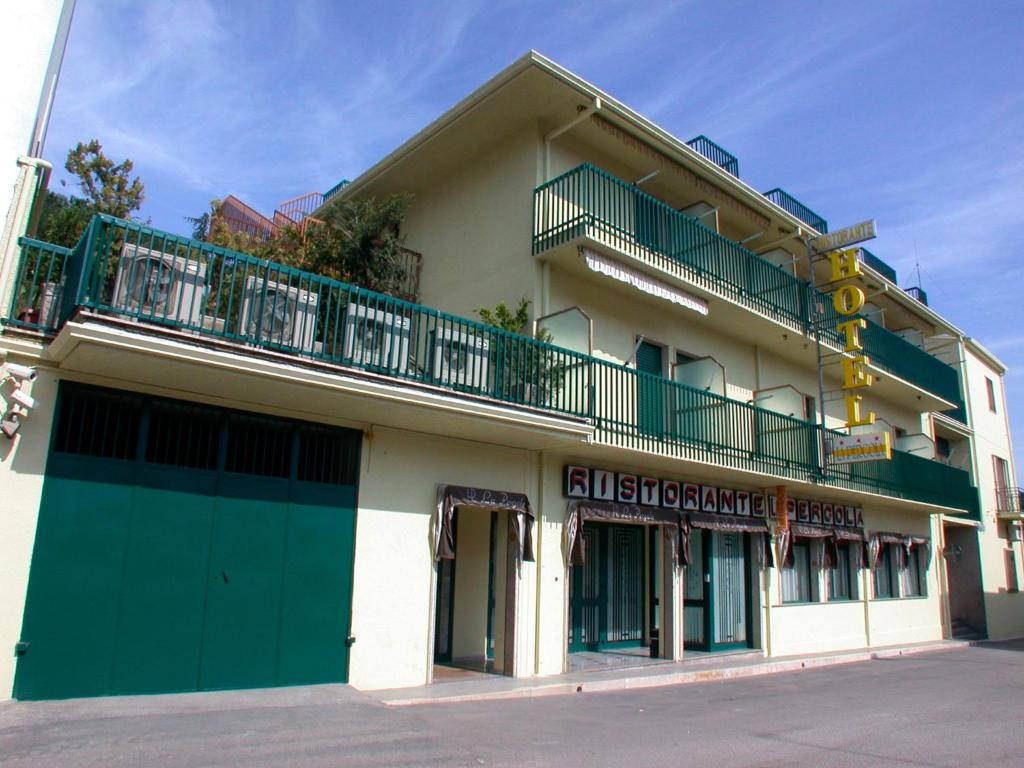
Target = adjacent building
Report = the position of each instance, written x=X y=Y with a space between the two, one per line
x=236 y=474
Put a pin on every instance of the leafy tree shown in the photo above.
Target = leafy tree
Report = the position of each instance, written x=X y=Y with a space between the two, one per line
x=358 y=242
x=107 y=185
x=355 y=241
x=503 y=317
x=62 y=219
x=530 y=372
x=108 y=189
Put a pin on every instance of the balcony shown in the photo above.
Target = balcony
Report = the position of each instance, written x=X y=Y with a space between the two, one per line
x=589 y=205
x=588 y=202
x=720 y=157
x=127 y=272
x=1009 y=502
x=917 y=293
x=869 y=259
x=791 y=205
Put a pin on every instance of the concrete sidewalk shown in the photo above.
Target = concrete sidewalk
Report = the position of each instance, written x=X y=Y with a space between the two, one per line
x=650 y=675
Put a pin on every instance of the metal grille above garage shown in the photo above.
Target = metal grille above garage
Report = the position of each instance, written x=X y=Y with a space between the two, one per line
x=183 y=547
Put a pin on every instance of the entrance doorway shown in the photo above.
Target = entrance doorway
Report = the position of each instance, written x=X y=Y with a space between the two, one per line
x=963 y=576
x=470 y=620
x=717 y=612
x=613 y=595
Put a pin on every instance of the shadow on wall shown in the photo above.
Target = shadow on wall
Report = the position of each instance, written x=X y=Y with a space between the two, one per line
x=1005 y=616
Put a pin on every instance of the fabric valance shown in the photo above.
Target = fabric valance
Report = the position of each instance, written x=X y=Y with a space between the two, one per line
x=580 y=510
x=755 y=526
x=449 y=497
x=906 y=542
x=826 y=541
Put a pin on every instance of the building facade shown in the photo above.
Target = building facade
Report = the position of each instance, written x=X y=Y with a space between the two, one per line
x=231 y=473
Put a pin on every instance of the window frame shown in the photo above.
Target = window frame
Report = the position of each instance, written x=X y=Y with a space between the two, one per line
x=801 y=553
x=888 y=562
x=914 y=578
x=846 y=572
x=990 y=389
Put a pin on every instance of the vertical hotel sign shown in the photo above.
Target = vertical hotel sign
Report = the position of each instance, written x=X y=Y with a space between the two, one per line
x=848 y=299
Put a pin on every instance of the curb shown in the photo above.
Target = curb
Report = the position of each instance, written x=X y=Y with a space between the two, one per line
x=683 y=678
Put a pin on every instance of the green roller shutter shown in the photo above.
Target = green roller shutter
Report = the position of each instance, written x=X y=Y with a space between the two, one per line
x=650 y=394
x=184 y=548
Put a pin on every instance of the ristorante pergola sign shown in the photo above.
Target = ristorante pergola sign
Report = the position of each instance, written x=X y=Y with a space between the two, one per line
x=625 y=488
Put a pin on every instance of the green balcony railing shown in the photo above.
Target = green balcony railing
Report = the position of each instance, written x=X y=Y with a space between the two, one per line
x=899 y=357
x=132 y=271
x=793 y=206
x=908 y=476
x=716 y=154
x=125 y=270
x=589 y=202
x=870 y=260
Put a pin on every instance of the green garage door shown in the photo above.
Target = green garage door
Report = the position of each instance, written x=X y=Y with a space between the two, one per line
x=182 y=548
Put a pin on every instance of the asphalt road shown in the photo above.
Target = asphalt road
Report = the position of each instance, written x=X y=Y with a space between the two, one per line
x=955 y=708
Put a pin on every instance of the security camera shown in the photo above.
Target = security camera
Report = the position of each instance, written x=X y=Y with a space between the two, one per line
x=10 y=424
x=20 y=372
x=22 y=398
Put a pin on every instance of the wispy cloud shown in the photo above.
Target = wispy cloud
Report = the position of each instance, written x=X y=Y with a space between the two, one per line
x=907 y=112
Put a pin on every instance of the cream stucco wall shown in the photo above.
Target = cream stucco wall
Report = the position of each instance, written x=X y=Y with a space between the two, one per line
x=26 y=39
x=825 y=626
x=394 y=580
x=22 y=464
x=473 y=227
x=1004 y=610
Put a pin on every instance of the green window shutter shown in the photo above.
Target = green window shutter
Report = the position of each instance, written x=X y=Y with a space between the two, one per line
x=648 y=358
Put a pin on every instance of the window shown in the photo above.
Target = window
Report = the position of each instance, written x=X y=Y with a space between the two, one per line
x=810 y=408
x=914 y=584
x=886 y=576
x=797 y=585
x=1011 y=571
x=1004 y=494
x=990 y=388
x=842 y=577
x=943 y=450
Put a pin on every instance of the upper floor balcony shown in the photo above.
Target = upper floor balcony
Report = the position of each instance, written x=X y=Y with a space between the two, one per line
x=588 y=206
x=869 y=259
x=1009 y=501
x=794 y=207
x=716 y=154
x=149 y=282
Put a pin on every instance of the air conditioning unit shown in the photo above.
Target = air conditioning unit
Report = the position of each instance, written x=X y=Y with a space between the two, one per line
x=278 y=314
x=159 y=286
x=376 y=338
x=460 y=358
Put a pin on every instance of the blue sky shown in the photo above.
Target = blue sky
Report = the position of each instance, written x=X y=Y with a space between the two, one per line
x=908 y=112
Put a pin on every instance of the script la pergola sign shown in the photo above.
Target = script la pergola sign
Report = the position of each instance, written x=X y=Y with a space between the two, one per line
x=848 y=299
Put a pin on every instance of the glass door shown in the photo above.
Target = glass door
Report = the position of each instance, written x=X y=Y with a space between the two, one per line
x=716 y=608
x=607 y=592
x=729 y=592
x=695 y=578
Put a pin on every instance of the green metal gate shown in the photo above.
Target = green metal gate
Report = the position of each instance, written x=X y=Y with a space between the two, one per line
x=716 y=592
x=182 y=547
x=608 y=590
